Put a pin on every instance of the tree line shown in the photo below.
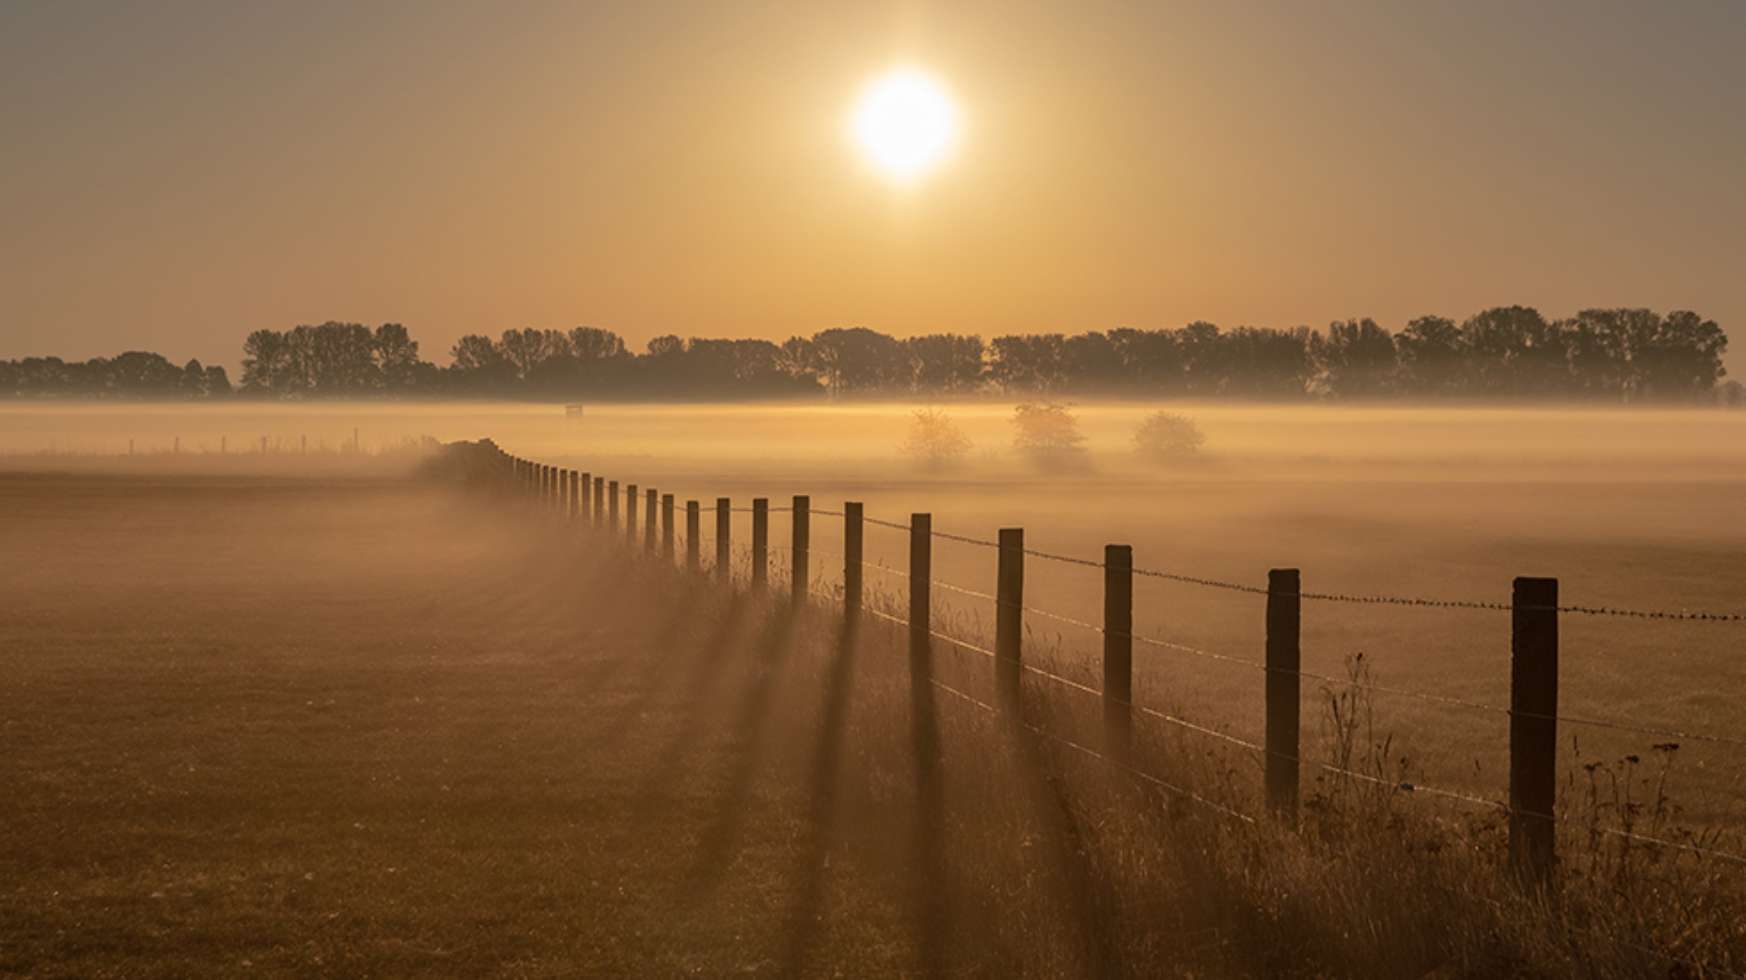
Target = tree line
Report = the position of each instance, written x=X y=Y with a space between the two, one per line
x=1509 y=352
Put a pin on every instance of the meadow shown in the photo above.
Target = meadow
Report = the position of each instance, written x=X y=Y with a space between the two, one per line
x=363 y=721
x=1635 y=509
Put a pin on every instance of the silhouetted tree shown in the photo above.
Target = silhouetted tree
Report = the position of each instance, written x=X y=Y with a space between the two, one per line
x=1434 y=358
x=1357 y=359
x=945 y=363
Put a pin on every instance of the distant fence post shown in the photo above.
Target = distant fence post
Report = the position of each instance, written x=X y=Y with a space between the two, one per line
x=612 y=505
x=1533 y=725
x=852 y=567
x=599 y=501
x=652 y=499
x=588 y=497
x=1009 y=622
x=1118 y=651
x=667 y=527
x=630 y=513
x=693 y=549
x=724 y=529
x=575 y=496
x=1284 y=658
x=921 y=571
x=802 y=541
x=760 y=543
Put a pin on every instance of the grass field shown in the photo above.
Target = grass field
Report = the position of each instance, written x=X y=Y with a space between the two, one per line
x=1627 y=508
x=363 y=726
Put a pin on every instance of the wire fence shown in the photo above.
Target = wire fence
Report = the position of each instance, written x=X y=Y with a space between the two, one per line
x=1277 y=756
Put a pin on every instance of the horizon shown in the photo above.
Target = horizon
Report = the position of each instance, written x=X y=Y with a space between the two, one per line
x=187 y=174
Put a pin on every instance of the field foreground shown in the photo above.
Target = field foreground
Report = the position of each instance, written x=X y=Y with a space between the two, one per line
x=279 y=726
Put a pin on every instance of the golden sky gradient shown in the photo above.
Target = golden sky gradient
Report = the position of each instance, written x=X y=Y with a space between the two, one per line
x=177 y=174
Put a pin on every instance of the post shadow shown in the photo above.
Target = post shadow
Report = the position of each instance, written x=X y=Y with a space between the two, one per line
x=821 y=826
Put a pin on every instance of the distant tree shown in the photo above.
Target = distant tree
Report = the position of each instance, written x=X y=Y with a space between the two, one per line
x=595 y=344
x=1202 y=352
x=1047 y=434
x=1681 y=358
x=1090 y=362
x=1434 y=359
x=1732 y=394
x=1516 y=353
x=1165 y=437
x=395 y=355
x=266 y=363
x=935 y=441
x=856 y=360
x=1151 y=359
x=1356 y=358
x=1028 y=363
x=1264 y=363
x=944 y=363
x=666 y=346
x=1600 y=344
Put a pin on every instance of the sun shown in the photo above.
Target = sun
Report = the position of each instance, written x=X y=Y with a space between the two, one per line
x=905 y=124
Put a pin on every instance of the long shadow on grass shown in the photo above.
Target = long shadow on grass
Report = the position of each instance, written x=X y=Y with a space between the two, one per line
x=653 y=662
x=772 y=647
x=807 y=910
x=1086 y=906
x=931 y=902
x=707 y=660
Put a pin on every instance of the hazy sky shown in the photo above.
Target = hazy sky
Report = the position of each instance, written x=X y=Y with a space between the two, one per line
x=175 y=174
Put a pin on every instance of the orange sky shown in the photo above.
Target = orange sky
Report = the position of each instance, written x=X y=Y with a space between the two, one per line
x=178 y=174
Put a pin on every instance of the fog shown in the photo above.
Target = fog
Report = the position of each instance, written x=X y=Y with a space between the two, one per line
x=1627 y=508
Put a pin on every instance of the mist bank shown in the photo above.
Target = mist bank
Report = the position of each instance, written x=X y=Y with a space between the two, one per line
x=1512 y=354
x=877 y=442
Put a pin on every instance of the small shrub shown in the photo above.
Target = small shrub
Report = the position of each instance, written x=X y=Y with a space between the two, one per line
x=935 y=442
x=1166 y=437
x=1047 y=434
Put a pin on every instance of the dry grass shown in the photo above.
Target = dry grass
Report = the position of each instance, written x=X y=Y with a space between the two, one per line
x=358 y=727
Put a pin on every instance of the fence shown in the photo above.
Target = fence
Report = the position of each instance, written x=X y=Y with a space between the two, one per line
x=1534 y=610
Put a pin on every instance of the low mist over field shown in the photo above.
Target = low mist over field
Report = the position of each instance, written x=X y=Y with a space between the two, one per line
x=923 y=489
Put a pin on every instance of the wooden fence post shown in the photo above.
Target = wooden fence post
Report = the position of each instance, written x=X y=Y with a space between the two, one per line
x=630 y=514
x=1118 y=651
x=600 y=501
x=1284 y=658
x=760 y=543
x=575 y=496
x=612 y=506
x=1533 y=725
x=693 y=557
x=667 y=527
x=652 y=499
x=1009 y=613
x=921 y=571
x=852 y=567
x=588 y=497
x=724 y=529
x=802 y=540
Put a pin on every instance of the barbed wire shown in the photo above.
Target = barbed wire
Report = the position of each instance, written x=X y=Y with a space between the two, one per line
x=1672 y=615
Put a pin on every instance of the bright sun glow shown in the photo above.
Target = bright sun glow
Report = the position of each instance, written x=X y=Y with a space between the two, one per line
x=905 y=123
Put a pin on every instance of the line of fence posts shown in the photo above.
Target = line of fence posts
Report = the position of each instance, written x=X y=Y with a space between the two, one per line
x=1533 y=647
